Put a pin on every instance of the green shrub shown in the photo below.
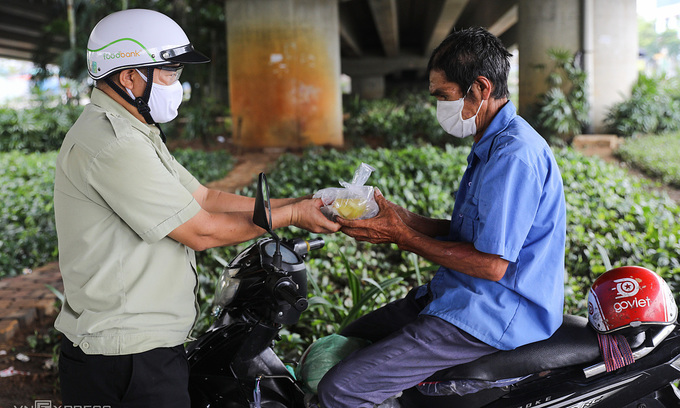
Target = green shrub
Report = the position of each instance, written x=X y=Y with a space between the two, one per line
x=611 y=218
x=41 y=128
x=563 y=109
x=400 y=120
x=654 y=107
x=38 y=129
x=203 y=120
x=27 y=232
x=656 y=155
x=405 y=176
x=205 y=166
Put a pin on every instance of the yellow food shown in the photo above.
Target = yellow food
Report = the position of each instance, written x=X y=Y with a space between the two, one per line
x=350 y=208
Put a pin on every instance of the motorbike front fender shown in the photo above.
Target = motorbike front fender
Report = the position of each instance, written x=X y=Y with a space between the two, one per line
x=235 y=385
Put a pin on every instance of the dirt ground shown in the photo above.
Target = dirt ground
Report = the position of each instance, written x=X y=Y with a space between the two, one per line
x=38 y=382
x=247 y=167
x=37 y=378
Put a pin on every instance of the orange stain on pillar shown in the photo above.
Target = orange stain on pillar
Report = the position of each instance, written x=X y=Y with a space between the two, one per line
x=285 y=89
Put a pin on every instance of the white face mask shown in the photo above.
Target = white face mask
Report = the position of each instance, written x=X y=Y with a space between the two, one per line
x=450 y=117
x=164 y=100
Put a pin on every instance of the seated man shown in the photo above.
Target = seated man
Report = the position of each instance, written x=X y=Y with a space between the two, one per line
x=501 y=280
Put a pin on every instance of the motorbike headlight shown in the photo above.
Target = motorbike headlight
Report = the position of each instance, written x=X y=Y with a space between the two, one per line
x=226 y=289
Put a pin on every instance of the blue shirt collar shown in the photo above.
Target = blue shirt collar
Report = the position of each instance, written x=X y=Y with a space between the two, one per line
x=501 y=121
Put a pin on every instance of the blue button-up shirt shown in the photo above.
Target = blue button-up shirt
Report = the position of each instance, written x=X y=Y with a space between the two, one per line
x=510 y=202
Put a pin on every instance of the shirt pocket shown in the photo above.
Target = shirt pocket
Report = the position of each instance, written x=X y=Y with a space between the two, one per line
x=468 y=217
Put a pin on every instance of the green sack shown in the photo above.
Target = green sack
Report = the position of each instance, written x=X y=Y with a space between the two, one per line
x=322 y=355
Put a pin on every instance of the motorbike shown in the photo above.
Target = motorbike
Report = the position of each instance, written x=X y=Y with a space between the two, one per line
x=233 y=365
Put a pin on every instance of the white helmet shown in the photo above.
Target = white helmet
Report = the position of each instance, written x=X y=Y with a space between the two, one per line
x=138 y=38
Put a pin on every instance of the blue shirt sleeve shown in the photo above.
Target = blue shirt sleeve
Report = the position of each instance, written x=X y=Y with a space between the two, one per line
x=507 y=205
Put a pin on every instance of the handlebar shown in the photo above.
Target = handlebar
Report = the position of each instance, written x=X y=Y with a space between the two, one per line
x=316 y=243
x=302 y=247
x=287 y=292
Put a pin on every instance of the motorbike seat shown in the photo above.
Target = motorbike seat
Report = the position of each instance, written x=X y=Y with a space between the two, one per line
x=573 y=343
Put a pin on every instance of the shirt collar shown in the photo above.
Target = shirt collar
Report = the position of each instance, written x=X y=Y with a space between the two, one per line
x=497 y=125
x=104 y=101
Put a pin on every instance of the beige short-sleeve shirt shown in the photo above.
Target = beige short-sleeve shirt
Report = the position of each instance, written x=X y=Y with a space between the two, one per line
x=118 y=193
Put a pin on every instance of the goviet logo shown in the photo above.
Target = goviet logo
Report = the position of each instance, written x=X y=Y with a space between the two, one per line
x=122 y=54
x=632 y=304
x=626 y=287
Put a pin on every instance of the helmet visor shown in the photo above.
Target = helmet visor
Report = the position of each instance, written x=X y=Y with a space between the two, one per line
x=184 y=55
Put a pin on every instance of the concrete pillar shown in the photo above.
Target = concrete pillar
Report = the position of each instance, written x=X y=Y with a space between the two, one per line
x=542 y=24
x=610 y=46
x=615 y=55
x=284 y=72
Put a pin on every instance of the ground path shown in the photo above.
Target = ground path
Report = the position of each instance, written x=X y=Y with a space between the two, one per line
x=246 y=169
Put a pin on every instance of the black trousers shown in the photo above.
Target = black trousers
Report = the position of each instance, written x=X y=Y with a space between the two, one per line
x=155 y=378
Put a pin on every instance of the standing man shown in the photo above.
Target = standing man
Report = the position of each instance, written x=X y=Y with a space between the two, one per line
x=129 y=218
x=500 y=283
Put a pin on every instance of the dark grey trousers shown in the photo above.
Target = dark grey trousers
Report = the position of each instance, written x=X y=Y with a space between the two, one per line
x=407 y=348
x=156 y=378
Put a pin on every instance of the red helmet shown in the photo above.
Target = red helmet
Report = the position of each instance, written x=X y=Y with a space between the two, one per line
x=630 y=296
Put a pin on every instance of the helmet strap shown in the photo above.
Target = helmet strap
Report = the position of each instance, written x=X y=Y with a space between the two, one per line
x=140 y=102
x=162 y=134
x=615 y=351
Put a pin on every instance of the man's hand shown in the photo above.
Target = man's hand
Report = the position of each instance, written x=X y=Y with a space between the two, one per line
x=416 y=234
x=383 y=228
x=226 y=219
x=307 y=214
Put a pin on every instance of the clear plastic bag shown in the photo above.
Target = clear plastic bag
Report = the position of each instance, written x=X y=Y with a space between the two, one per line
x=391 y=402
x=463 y=387
x=355 y=201
x=322 y=355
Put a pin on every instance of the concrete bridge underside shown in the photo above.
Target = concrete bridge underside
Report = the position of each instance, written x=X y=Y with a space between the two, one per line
x=300 y=47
